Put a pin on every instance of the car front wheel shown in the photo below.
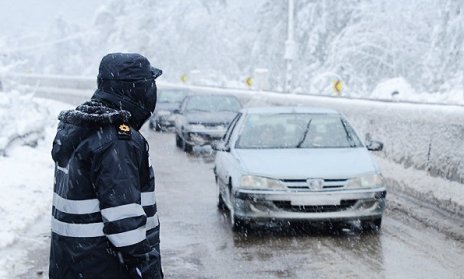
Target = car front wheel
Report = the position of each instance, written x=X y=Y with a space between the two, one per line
x=178 y=141
x=187 y=147
x=221 y=204
x=238 y=224
x=371 y=225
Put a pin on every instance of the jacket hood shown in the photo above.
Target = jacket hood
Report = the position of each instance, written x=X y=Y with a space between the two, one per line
x=126 y=81
x=94 y=114
x=77 y=124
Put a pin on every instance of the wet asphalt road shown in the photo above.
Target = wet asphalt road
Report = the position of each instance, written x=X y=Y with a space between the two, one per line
x=197 y=240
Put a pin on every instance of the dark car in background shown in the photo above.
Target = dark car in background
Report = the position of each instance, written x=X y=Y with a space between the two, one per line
x=204 y=118
x=168 y=101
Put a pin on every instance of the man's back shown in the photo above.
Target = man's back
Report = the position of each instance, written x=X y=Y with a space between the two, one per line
x=104 y=222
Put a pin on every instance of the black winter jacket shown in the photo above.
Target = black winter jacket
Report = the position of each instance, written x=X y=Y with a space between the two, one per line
x=105 y=222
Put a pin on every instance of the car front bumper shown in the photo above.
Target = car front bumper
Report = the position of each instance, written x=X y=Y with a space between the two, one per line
x=259 y=205
x=202 y=137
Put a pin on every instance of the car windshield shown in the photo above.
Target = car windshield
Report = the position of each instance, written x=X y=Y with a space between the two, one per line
x=213 y=103
x=292 y=130
x=171 y=96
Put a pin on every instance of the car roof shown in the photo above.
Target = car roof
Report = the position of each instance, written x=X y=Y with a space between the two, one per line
x=174 y=89
x=298 y=109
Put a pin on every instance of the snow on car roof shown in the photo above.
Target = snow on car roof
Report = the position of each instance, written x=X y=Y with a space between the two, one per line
x=299 y=109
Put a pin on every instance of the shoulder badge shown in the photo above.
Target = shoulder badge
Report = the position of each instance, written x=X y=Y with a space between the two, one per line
x=124 y=131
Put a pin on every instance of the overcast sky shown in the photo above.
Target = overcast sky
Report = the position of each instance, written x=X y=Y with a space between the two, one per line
x=23 y=17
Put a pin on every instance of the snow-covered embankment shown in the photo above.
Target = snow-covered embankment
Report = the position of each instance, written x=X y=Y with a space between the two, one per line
x=27 y=126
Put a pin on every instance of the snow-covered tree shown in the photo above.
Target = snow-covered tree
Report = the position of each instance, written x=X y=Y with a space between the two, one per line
x=62 y=50
x=362 y=43
x=445 y=59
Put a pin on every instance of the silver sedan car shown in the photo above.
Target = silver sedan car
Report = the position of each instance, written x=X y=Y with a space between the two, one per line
x=295 y=163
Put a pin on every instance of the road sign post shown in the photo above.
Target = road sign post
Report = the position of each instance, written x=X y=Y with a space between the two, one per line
x=290 y=48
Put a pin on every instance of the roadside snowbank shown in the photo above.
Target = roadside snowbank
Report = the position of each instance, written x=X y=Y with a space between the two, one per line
x=398 y=89
x=26 y=171
x=436 y=191
x=22 y=120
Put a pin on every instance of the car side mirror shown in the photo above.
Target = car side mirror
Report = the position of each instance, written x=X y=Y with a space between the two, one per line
x=219 y=145
x=374 y=146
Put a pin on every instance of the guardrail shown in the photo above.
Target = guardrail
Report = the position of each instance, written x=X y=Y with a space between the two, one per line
x=424 y=136
x=56 y=81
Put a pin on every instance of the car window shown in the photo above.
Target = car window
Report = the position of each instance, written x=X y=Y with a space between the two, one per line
x=292 y=130
x=230 y=129
x=171 y=96
x=184 y=103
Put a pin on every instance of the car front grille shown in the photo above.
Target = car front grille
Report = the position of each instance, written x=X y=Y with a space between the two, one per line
x=301 y=184
x=287 y=206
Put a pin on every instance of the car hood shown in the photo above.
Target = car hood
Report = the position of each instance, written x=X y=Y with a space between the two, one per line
x=217 y=117
x=167 y=106
x=327 y=163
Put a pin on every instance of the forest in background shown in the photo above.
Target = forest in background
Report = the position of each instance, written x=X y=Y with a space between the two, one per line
x=363 y=43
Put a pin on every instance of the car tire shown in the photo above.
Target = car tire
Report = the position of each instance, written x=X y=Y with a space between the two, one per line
x=237 y=223
x=178 y=141
x=221 y=204
x=186 y=147
x=372 y=225
x=151 y=125
x=240 y=225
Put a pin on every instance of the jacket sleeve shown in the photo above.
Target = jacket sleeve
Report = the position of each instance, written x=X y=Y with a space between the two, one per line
x=117 y=182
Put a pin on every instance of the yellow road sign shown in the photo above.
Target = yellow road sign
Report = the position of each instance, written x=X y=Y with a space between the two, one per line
x=184 y=78
x=249 y=81
x=337 y=86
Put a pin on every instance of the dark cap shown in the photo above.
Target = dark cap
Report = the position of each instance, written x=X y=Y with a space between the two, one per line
x=127 y=67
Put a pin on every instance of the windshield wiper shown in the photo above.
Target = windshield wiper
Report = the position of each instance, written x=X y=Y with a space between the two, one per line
x=349 y=138
x=305 y=134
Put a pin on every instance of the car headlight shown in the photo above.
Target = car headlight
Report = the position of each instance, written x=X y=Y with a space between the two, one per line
x=368 y=180
x=197 y=139
x=195 y=127
x=257 y=182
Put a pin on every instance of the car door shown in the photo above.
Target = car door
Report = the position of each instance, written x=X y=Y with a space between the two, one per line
x=224 y=161
x=180 y=118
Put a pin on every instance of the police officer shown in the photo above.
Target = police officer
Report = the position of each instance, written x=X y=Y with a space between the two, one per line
x=104 y=216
